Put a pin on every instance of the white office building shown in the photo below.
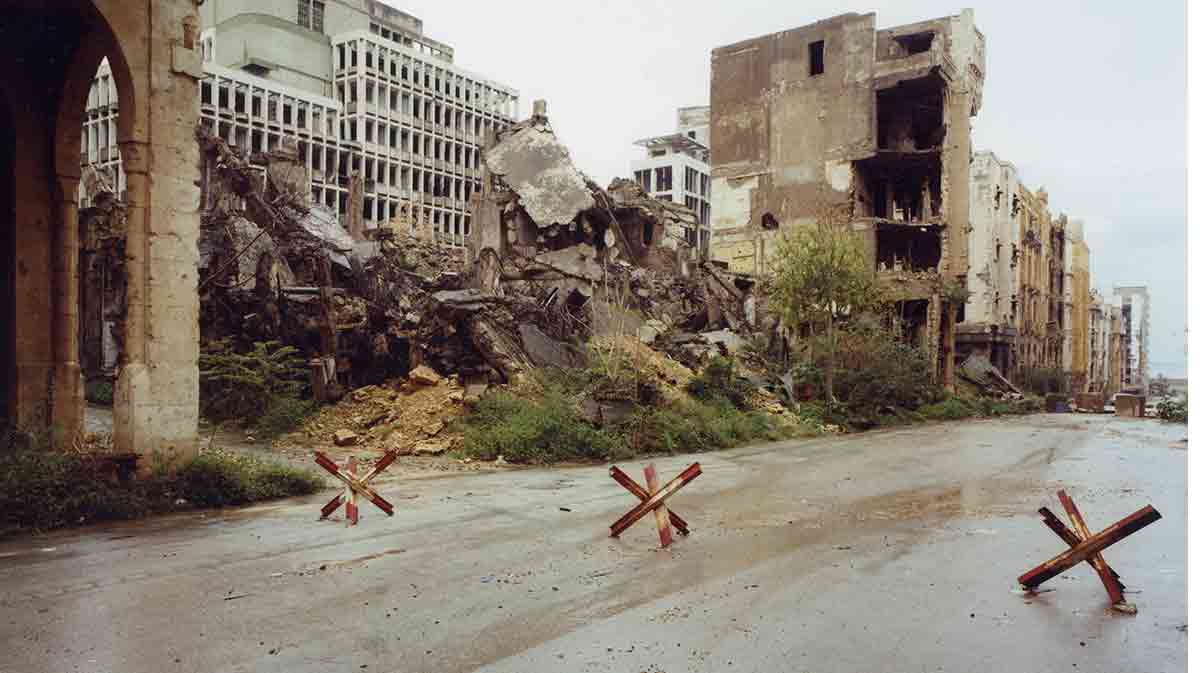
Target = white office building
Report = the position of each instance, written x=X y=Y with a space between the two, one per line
x=360 y=89
x=676 y=168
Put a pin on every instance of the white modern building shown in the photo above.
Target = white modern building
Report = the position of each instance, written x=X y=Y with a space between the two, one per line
x=362 y=92
x=676 y=168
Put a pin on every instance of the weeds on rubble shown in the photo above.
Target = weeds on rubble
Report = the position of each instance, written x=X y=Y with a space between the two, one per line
x=719 y=382
x=545 y=430
x=42 y=489
x=689 y=426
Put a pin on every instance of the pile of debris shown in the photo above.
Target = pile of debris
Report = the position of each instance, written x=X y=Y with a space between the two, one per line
x=987 y=379
x=551 y=260
x=412 y=416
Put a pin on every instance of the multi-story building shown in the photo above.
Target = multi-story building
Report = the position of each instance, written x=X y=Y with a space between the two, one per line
x=99 y=142
x=1134 y=303
x=837 y=121
x=1076 y=305
x=362 y=92
x=676 y=169
x=1100 y=325
x=990 y=319
x=1034 y=297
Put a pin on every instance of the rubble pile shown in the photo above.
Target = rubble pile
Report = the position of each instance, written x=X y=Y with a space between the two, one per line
x=551 y=262
x=412 y=416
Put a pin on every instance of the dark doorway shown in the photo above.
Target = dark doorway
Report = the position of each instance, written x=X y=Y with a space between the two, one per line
x=8 y=246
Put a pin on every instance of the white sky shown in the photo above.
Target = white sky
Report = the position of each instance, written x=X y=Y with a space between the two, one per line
x=1086 y=98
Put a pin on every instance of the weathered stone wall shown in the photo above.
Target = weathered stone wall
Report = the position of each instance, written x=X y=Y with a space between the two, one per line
x=152 y=48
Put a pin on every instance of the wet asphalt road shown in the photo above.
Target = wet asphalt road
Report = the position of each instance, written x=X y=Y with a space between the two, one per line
x=889 y=551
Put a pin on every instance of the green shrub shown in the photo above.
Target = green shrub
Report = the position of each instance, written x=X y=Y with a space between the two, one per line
x=41 y=490
x=878 y=374
x=1173 y=411
x=284 y=413
x=547 y=430
x=949 y=409
x=719 y=381
x=220 y=479
x=689 y=426
x=99 y=392
x=241 y=386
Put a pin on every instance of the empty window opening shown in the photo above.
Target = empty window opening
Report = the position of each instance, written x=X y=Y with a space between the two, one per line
x=899 y=190
x=915 y=44
x=902 y=247
x=910 y=117
x=769 y=222
x=913 y=317
x=816 y=57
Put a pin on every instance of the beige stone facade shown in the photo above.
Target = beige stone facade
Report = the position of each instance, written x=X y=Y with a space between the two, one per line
x=152 y=50
x=840 y=115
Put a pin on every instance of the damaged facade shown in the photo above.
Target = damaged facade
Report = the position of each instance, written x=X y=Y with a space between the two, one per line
x=838 y=115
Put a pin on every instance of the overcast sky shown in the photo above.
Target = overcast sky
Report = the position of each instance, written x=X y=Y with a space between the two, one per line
x=1086 y=98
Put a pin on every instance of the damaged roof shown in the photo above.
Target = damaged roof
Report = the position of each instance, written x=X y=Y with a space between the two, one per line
x=539 y=169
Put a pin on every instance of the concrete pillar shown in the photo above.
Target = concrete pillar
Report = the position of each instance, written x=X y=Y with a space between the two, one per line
x=67 y=407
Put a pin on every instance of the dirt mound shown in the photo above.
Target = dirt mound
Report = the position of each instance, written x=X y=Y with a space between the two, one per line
x=404 y=415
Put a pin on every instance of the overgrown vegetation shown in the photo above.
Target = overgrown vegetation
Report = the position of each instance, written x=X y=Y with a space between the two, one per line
x=879 y=375
x=261 y=388
x=42 y=489
x=547 y=423
x=820 y=276
x=718 y=382
x=1173 y=410
x=544 y=430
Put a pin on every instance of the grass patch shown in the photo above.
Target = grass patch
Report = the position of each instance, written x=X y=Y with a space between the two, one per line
x=545 y=430
x=551 y=429
x=949 y=409
x=284 y=413
x=42 y=490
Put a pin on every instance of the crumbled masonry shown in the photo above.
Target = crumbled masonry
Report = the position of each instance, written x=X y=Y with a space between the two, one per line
x=552 y=259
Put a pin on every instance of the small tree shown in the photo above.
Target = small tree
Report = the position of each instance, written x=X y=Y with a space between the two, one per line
x=820 y=275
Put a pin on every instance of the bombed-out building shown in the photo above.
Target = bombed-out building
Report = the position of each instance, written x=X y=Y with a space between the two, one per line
x=871 y=127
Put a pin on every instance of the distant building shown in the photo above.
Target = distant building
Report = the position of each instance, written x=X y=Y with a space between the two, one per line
x=360 y=90
x=676 y=168
x=1134 y=303
x=1077 y=306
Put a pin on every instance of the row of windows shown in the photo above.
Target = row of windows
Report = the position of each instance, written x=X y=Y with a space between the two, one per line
x=263 y=105
x=420 y=144
x=661 y=179
x=420 y=108
x=399 y=66
x=400 y=38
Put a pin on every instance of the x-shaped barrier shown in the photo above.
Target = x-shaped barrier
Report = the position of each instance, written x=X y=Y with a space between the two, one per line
x=355 y=485
x=1087 y=547
x=653 y=498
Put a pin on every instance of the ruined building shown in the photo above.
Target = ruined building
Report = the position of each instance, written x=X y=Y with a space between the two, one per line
x=381 y=116
x=53 y=52
x=991 y=318
x=676 y=168
x=838 y=118
x=1134 y=303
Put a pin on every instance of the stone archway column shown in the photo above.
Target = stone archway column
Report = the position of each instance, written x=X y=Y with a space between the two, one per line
x=67 y=405
x=132 y=389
